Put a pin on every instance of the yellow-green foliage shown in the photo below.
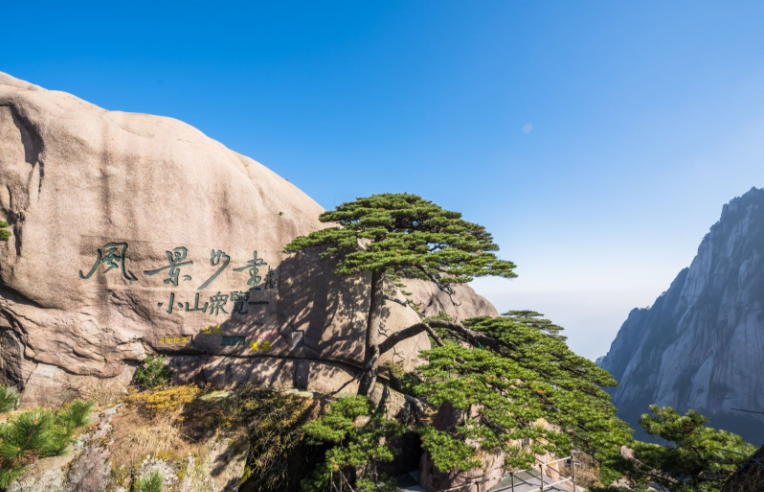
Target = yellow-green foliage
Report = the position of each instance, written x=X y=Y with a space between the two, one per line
x=164 y=400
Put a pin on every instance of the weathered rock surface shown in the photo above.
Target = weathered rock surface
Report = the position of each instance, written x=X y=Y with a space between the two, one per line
x=464 y=303
x=90 y=465
x=135 y=234
x=701 y=345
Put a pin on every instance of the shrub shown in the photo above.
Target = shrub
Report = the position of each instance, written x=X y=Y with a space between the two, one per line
x=152 y=373
x=9 y=397
x=150 y=483
x=165 y=400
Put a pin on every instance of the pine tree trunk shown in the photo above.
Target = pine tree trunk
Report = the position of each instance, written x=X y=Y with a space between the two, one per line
x=369 y=376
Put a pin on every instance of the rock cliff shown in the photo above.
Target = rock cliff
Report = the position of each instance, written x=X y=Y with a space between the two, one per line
x=701 y=345
x=136 y=234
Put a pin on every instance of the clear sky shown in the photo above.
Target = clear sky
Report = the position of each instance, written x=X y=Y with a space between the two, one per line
x=598 y=141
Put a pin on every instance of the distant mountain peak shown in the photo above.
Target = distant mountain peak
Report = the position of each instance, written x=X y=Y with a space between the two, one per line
x=701 y=344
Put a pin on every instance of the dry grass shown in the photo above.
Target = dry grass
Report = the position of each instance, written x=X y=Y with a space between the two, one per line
x=587 y=474
x=136 y=436
x=105 y=393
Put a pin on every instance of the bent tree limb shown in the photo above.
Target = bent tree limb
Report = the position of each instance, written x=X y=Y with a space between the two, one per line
x=374 y=349
x=407 y=333
x=473 y=337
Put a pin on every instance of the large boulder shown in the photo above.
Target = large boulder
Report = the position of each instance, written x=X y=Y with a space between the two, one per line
x=136 y=234
x=461 y=304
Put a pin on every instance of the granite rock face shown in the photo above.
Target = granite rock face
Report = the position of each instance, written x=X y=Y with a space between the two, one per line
x=136 y=234
x=464 y=303
x=701 y=345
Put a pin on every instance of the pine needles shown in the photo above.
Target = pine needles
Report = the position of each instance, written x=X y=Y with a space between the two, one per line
x=9 y=397
x=36 y=433
x=150 y=483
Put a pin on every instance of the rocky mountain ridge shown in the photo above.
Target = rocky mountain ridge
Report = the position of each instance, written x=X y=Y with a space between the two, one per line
x=701 y=344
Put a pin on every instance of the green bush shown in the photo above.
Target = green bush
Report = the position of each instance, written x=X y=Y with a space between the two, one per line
x=152 y=373
x=9 y=397
x=4 y=234
x=150 y=483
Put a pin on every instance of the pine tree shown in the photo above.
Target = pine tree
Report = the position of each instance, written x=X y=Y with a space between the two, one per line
x=23 y=440
x=535 y=320
x=403 y=235
x=38 y=433
x=508 y=382
x=360 y=439
x=697 y=458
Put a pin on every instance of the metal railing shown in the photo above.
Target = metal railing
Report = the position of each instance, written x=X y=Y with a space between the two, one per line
x=341 y=479
x=542 y=487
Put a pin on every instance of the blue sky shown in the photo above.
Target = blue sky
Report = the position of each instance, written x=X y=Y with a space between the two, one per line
x=598 y=141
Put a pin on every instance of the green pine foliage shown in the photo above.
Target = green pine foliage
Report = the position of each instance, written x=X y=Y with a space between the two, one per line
x=697 y=458
x=9 y=397
x=536 y=320
x=407 y=236
x=152 y=373
x=38 y=433
x=68 y=419
x=149 y=483
x=503 y=391
x=4 y=233
x=359 y=438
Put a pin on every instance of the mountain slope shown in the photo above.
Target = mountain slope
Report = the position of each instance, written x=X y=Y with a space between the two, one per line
x=701 y=345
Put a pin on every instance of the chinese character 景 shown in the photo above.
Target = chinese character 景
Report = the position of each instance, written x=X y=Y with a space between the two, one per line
x=176 y=259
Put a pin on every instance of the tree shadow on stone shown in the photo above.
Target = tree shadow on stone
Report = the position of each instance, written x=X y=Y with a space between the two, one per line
x=310 y=334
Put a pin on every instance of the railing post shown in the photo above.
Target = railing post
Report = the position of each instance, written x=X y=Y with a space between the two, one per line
x=573 y=465
x=541 y=467
x=512 y=480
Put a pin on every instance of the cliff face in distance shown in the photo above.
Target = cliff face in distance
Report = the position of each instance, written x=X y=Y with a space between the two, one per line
x=701 y=345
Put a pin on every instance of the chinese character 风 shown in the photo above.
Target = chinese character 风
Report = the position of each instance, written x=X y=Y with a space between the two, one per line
x=113 y=255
